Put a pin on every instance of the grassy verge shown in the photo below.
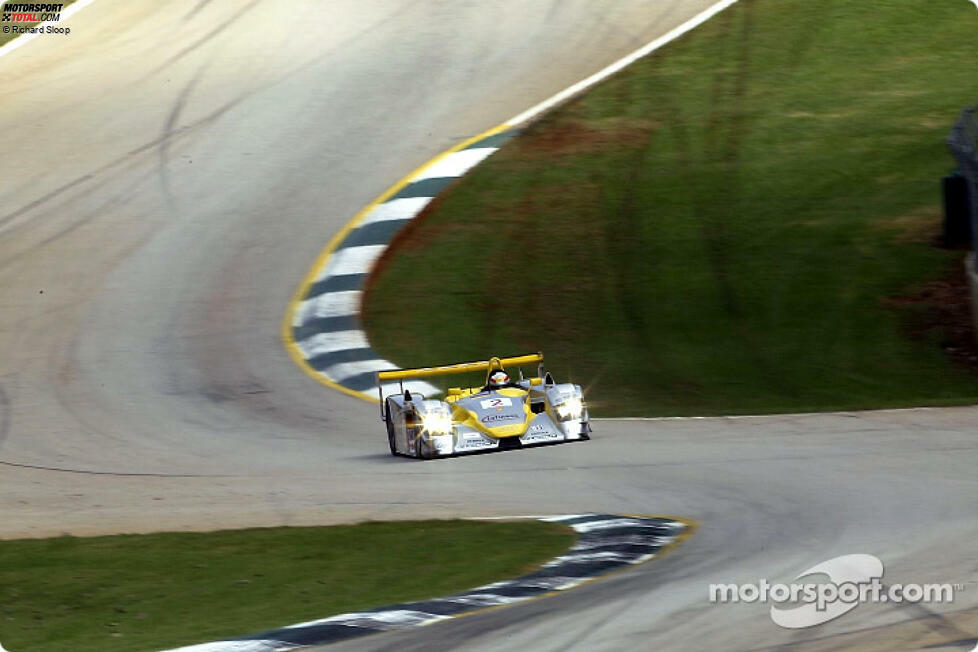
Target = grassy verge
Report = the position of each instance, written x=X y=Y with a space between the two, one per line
x=721 y=228
x=164 y=590
x=9 y=36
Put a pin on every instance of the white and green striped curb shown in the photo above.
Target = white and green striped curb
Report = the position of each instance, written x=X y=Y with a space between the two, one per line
x=605 y=543
x=326 y=323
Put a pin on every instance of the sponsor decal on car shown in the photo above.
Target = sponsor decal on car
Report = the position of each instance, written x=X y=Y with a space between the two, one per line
x=473 y=440
x=540 y=431
x=496 y=418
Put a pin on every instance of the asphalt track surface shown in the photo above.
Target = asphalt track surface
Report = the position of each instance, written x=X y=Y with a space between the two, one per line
x=171 y=170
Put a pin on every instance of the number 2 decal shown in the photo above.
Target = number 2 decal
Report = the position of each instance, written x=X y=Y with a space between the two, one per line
x=495 y=403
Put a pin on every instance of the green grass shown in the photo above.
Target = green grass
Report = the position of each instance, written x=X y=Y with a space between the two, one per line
x=717 y=229
x=165 y=590
x=4 y=38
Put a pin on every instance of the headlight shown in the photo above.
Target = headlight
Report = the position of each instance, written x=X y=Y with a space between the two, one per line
x=443 y=443
x=570 y=409
x=436 y=423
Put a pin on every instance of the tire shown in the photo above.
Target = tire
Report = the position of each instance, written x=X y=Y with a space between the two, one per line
x=390 y=436
x=421 y=450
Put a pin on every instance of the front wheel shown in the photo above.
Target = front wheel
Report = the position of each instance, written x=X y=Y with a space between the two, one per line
x=422 y=452
x=390 y=435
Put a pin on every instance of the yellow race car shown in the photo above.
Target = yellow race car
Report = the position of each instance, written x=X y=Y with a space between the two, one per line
x=503 y=413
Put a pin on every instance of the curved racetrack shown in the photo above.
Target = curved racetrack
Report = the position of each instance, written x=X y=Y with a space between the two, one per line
x=170 y=172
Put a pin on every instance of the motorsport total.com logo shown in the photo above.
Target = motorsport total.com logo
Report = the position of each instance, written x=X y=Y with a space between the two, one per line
x=22 y=18
x=851 y=579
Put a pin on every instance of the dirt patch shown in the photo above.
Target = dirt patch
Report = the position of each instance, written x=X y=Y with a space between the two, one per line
x=575 y=137
x=920 y=227
x=940 y=310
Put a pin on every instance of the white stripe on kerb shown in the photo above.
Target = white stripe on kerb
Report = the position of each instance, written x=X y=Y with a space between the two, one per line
x=483 y=599
x=590 y=556
x=377 y=619
x=331 y=304
x=455 y=164
x=322 y=343
x=610 y=523
x=396 y=209
x=553 y=583
x=343 y=370
x=352 y=260
x=558 y=519
x=487 y=587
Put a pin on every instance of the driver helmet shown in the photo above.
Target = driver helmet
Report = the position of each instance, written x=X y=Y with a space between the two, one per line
x=498 y=378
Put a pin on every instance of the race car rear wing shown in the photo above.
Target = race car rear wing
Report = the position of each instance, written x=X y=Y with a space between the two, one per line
x=461 y=367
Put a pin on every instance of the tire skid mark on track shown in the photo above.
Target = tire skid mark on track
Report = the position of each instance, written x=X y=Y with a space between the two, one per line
x=117 y=474
x=606 y=543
